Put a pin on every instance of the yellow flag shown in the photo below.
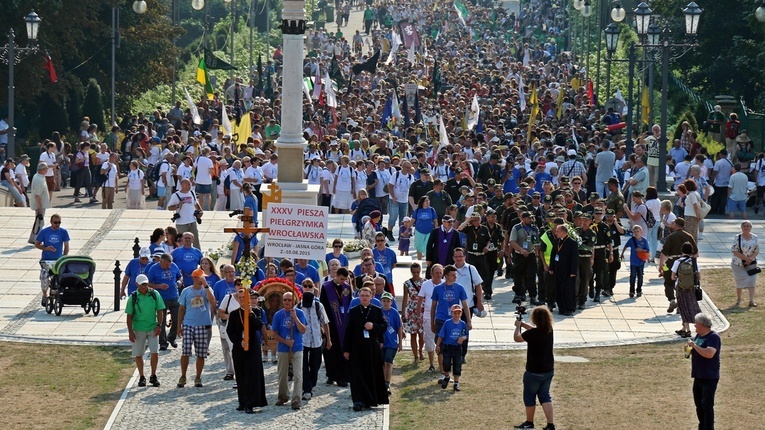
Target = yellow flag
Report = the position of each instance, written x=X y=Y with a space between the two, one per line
x=645 y=104
x=243 y=130
x=534 y=102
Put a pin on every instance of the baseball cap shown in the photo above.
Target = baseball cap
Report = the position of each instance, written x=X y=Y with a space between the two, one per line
x=571 y=152
x=456 y=307
x=447 y=218
x=386 y=296
x=141 y=279
x=145 y=252
x=198 y=273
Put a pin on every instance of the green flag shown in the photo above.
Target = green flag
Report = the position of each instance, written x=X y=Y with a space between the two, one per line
x=335 y=73
x=462 y=11
x=436 y=79
x=204 y=78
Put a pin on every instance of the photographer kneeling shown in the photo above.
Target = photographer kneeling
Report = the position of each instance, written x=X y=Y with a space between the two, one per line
x=539 y=365
x=188 y=212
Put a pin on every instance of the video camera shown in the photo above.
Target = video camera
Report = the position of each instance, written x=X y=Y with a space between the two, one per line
x=520 y=311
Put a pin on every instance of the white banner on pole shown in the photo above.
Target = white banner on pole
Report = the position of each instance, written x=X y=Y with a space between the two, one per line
x=296 y=231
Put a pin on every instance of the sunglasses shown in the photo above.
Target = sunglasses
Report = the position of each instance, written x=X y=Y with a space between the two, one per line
x=379 y=240
x=337 y=246
x=55 y=222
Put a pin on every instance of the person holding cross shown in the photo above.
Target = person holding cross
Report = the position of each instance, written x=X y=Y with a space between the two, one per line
x=250 y=382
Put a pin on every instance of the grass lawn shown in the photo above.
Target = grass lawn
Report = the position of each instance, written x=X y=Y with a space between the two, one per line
x=63 y=387
x=640 y=386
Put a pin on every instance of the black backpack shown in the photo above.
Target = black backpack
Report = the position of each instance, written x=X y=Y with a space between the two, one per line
x=153 y=173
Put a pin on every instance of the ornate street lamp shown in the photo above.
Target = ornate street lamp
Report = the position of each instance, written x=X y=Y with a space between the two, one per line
x=612 y=37
x=642 y=18
x=692 y=14
x=654 y=33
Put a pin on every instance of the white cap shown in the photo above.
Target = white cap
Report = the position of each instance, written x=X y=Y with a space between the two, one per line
x=141 y=279
x=145 y=252
x=571 y=152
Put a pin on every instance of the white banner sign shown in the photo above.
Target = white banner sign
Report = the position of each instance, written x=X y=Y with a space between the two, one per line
x=297 y=231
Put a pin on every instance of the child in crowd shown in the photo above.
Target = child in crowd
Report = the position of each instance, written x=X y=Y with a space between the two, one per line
x=394 y=336
x=639 y=254
x=404 y=236
x=453 y=333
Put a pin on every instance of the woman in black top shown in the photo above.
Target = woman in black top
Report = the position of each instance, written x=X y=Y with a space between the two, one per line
x=539 y=365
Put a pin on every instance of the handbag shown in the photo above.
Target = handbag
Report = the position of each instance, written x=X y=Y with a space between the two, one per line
x=699 y=293
x=704 y=208
x=751 y=268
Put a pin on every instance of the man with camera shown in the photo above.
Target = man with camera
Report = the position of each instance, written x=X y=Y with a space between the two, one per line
x=188 y=211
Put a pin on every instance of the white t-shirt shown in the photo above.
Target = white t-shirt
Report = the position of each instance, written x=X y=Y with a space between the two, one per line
x=313 y=173
x=164 y=167
x=401 y=183
x=134 y=179
x=204 y=169
x=654 y=205
x=187 y=210
x=383 y=177
x=50 y=160
x=328 y=181
x=22 y=176
x=344 y=178
x=185 y=172
x=235 y=175
x=465 y=274
x=254 y=173
x=760 y=168
x=426 y=291
x=270 y=171
x=111 y=174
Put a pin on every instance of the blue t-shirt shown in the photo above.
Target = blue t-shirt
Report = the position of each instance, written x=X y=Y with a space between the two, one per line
x=257 y=277
x=197 y=307
x=55 y=238
x=390 y=339
x=511 y=183
x=423 y=220
x=342 y=259
x=284 y=325
x=446 y=296
x=252 y=203
x=357 y=270
x=633 y=244
x=187 y=260
x=309 y=272
x=240 y=249
x=169 y=277
x=387 y=258
x=133 y=269
x=221 y=288
x=541 y=177
x=212 y=279
x=452 y=331
x=374 y=302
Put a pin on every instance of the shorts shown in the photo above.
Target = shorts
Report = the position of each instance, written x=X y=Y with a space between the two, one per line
x=439 y=324
x=204 y=189
x=389 y=354
x=536 y=385
x=160 y=191
x=197 y=336
x=428 y=336
x=141 y=338
x=734 y=205
x=452 y=358
x=50 y=181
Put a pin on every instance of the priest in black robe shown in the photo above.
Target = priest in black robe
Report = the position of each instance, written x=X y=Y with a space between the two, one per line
x=363 y=349
x=336 y=298
x=248 y=366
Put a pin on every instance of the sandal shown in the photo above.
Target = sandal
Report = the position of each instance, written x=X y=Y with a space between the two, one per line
x=752 y=304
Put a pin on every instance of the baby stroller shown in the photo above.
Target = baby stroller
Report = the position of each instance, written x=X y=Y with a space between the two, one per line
x=71 y=284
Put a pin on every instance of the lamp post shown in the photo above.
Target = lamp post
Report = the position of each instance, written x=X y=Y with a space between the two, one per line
x=11 y=55
x=139 y=7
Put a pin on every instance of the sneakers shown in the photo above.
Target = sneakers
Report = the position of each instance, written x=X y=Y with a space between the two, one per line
x=457 y=386
x=440 y=378
x=228 y=377
x=154 y=381
x=307 y=396
x=142 y=381
x=445 y=382
x=525 y=425
x=198 y=382
x=672 y=307
x=549 y=426
x=93 y=200
x=44 y=302
x=181 y=382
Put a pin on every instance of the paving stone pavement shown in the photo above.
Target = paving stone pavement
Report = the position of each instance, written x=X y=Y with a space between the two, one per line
x=214 y=405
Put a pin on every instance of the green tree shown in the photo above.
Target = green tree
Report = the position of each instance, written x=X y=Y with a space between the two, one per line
x=74 y=107
x=53 y=116
x=93 y=106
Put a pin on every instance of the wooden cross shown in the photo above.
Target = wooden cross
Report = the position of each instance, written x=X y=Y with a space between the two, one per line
x=274 y=195
x=245 y=233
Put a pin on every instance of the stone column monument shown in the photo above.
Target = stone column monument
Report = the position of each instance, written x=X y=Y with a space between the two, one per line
x=290 y=144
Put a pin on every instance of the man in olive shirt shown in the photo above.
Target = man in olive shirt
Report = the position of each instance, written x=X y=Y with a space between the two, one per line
x=144 y=311
x=586 y=259
x=615 y=199
x=671 y=251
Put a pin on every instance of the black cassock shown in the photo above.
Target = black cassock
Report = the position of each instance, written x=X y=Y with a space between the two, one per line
x=365 y=362
x=251 y=386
